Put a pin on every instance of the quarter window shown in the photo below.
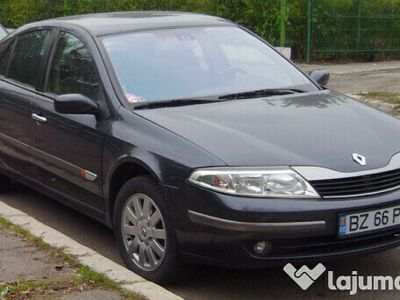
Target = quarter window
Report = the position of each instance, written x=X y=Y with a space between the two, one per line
x=73 y=70
x=27 y=57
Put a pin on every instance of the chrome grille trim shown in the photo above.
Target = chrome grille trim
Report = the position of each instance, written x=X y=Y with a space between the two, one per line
x=362 y=194
x=334 y=184
x=319 y=173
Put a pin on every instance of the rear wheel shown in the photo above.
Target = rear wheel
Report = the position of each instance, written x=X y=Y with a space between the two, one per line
x=144 y=231
x=5 y=183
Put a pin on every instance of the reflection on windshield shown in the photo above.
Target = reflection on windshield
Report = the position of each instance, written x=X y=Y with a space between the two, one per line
x=197 y=62
x=3 y=32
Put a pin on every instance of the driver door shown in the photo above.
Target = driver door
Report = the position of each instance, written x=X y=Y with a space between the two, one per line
x=71 y=145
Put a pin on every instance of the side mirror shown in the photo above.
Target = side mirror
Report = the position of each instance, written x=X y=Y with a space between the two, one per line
x=75 y=104
x=320 y=76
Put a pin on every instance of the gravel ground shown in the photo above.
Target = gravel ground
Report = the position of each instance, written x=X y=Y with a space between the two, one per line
x=362 y=77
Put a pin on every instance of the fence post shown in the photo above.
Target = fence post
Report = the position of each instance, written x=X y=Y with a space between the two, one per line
x=309 y=22
x=283 y=23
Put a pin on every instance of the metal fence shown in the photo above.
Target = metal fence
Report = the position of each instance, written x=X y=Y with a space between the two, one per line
x=352 y=26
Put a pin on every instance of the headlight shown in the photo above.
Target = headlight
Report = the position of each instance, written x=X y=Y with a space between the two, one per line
x=274 y=182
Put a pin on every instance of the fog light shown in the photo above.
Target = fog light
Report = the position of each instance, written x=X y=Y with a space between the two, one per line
x=262 y=247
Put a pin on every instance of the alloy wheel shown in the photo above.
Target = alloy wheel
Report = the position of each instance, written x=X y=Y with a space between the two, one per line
x=143 y=232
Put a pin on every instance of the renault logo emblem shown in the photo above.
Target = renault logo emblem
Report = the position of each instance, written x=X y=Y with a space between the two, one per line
x=358 y=158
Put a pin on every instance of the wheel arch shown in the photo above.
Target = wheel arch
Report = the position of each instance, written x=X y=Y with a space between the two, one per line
x=125 y=169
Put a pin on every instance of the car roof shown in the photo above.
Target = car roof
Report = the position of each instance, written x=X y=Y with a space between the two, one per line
x=121 y=22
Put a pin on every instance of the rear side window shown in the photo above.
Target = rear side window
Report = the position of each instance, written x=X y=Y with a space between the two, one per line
x=27 y=57
x=73 y=70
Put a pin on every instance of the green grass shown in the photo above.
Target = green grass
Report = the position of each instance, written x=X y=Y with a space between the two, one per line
x=85 y=276
x=33 y=286
x=387 y=97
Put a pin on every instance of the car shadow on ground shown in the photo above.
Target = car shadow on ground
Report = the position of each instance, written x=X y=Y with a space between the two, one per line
x=207 y=282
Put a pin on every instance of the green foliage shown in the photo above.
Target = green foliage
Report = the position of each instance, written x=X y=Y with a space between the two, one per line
x=261 y=16
x=332 y=26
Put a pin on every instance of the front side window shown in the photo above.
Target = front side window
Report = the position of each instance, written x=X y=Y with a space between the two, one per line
x=73 y=70
x=5 y=53
x=198 y=62
x=27 y=57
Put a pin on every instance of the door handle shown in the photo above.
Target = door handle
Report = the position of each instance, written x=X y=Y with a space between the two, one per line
x=38 y=118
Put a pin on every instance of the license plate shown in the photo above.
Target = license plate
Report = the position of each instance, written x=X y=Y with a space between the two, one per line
x=363 y=222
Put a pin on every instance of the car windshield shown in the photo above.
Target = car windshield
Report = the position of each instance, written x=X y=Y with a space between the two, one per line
x=198 y=62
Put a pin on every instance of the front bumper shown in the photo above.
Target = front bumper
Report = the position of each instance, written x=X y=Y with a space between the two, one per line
x=222 y=229
x=271 y=227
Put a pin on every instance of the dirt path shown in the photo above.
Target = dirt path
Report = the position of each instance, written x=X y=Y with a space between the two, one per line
x=367 y=77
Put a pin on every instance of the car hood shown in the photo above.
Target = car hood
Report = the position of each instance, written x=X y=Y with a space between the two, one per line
x=316 y=129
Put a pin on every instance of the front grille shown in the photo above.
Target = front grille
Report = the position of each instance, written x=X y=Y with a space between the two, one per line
x=359 y=185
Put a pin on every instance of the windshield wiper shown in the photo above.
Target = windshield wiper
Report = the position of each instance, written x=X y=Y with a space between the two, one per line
x=261 y=93
x=193 y=101
x=174 y=102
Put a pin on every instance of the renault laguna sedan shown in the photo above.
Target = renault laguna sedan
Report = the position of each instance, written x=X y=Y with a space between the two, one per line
x=196 y=142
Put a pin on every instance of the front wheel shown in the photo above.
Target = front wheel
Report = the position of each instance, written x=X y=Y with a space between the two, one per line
x=144 y=231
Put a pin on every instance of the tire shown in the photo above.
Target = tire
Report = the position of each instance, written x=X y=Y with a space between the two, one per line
x=5 y=183
x=146 y=233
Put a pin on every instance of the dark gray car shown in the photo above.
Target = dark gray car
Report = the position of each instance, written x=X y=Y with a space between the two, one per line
x=196 y=142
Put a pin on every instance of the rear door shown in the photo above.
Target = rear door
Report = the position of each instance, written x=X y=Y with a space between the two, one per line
x=72 y=145
x=20 y=76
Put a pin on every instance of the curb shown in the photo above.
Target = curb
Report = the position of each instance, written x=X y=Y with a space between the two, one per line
x=86 y=256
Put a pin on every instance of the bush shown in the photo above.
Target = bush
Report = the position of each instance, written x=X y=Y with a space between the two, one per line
x=331 y=28
x=261 y=16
